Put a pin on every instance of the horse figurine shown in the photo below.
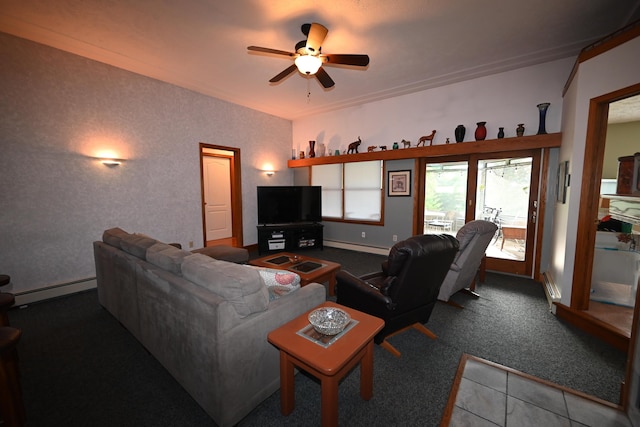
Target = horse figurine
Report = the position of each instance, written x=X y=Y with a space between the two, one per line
x=353 y=147
x=383 y=148
x=424 y=139
x=406 y=143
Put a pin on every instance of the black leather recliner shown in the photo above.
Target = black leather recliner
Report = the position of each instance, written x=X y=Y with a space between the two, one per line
x=404 y=293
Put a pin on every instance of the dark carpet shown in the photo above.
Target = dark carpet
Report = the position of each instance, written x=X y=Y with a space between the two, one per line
x=80 y=367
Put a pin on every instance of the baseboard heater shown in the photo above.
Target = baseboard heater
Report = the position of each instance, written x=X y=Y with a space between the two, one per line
x=54 y=291
x=551 y=291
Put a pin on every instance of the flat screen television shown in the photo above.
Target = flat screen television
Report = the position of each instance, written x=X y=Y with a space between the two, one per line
x=287 y=205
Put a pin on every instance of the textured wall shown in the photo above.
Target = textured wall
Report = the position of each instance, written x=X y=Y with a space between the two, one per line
x=603 y=74
x=502 y=100
x=58 y=111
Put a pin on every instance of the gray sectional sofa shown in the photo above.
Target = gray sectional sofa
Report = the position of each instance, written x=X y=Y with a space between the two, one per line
x=205 y=320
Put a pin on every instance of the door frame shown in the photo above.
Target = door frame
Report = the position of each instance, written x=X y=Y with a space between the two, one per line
x=537 y=193
x=590 y=192
x=236 y=191
x=522 y=268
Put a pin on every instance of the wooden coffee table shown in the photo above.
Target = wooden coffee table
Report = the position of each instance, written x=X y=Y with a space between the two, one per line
x=309 y=269
x=329 y=362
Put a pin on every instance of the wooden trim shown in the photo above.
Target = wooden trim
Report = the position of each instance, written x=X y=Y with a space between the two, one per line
x=593 y=326
x=589 y=201
x=542 y=209
x=603 y=45
x=418 y=198
x=418 y=211
x=453 y=393
x=549 y=140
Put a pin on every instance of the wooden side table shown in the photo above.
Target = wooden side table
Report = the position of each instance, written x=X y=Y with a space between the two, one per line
x=329 y=363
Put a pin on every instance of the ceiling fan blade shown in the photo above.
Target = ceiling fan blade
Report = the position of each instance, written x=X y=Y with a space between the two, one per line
x=358 y=60
x=325 y=80
x=272 y=51
x=316 y=36
x=284 y=74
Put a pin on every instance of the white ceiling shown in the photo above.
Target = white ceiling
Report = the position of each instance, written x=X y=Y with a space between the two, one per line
x=413 y=44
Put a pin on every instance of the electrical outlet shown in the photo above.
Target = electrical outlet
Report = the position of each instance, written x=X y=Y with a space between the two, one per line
x=395 y=237
x=364 y=234
x=191 y=244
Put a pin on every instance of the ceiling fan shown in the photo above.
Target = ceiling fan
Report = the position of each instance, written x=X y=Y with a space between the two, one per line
x=308 y=57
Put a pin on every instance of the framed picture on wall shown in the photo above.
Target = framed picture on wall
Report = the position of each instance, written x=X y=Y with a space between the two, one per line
x=563 y=182
x=399 y=183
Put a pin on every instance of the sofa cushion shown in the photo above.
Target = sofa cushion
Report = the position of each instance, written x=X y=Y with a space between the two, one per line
x=225 y=253
x=114 y=236
x=278 y=282
x=166 y=257
x=137 y=245
x=239 y=285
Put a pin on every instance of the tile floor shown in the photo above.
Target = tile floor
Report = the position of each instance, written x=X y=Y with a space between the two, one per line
x=487 y=394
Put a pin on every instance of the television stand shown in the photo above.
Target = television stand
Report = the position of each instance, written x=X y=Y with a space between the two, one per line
x=289 y=237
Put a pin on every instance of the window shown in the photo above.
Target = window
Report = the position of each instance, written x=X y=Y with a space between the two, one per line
x=350 y=191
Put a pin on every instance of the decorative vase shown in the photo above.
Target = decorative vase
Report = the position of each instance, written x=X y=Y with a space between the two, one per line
x=481 y=131
x=312 y=149
x=542 y=108
x=337 y=153
x=395 y=146
x=500 y=133
x=520 y=129
x=459 y=133
x=321 y=150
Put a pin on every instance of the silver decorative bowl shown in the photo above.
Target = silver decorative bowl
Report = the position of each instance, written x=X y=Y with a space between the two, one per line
x=329 y=320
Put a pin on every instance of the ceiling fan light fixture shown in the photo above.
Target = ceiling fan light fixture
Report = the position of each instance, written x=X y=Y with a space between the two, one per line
x=308 y=64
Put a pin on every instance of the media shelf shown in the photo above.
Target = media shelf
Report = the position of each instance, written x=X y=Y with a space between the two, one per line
x=289 y=237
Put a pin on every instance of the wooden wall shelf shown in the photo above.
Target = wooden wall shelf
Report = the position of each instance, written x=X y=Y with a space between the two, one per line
x=550 y=140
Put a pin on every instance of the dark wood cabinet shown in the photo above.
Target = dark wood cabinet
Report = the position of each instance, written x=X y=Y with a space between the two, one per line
x=289 y=237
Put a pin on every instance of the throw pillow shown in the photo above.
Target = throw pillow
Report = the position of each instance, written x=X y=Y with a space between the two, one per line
x=278 y=282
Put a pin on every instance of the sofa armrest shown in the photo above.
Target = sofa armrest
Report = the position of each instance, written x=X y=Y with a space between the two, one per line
x=250 y=363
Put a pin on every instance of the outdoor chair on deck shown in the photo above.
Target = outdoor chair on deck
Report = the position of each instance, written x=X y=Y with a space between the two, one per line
x=474 y=238
x=404 y=293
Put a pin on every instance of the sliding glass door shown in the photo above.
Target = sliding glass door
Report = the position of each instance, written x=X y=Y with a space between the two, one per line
x=503 y=190
x=445 y=197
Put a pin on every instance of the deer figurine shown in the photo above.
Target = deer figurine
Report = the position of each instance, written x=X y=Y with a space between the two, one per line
x=426 y=138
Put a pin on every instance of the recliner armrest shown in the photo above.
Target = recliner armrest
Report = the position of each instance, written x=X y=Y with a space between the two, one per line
x=352 y=287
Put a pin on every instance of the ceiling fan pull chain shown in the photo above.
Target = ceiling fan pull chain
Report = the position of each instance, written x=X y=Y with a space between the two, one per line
x=308 y=90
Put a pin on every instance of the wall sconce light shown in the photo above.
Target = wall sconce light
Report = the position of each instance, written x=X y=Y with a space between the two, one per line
x=269 y=173
x=111 y=162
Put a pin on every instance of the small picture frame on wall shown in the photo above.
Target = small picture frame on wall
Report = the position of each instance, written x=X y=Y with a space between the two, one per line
x=563 y=181
x=399 y=183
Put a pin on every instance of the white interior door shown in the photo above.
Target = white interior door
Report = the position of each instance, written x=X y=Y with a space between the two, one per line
x=217 y=197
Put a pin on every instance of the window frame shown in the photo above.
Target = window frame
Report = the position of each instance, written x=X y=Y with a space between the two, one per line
x=382 y=181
